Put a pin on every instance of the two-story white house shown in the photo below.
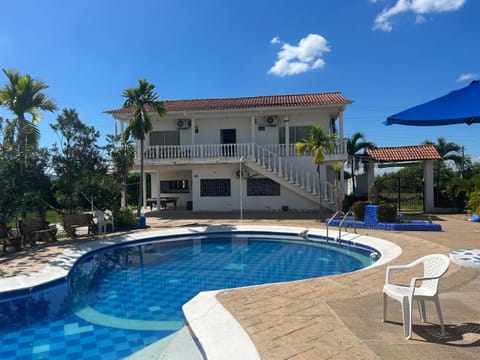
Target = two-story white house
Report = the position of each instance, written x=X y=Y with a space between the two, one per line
x=239 y=153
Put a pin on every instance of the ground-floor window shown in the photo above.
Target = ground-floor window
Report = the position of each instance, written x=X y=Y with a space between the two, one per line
x=174 y=186
x=262 y=187
x=215 y=187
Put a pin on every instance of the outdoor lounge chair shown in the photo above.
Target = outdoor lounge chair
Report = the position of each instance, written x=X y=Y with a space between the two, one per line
x=8 y=237
x=36 y=229
x=71 y=222
x=420 y=289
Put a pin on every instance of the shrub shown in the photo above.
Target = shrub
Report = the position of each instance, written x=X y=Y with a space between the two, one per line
x=474 y=202
x=358 y=208
x=124 y=217
x=387 y=212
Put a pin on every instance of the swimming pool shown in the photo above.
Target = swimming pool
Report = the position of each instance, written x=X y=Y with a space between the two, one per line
x=124 y=299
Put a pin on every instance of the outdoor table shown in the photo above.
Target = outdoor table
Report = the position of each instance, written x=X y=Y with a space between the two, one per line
x=466 y=257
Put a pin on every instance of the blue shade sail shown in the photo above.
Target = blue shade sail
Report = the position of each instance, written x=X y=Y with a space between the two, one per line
x=457 y=107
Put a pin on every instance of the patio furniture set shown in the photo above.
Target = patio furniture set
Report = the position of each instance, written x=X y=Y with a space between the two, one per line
x=33 y=230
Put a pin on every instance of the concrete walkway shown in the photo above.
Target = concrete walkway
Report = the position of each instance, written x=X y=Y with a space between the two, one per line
x=337 y=317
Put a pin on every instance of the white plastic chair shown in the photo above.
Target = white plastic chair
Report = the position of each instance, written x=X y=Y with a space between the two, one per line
x=434 y=267
x=103 y=219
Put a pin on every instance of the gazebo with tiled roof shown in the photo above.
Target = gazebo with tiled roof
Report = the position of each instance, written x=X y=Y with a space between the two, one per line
x=400 y=154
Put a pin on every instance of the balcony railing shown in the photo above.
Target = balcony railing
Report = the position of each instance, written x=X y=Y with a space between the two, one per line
x=206 y=151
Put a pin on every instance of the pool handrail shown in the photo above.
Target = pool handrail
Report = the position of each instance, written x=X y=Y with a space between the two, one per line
x=348 y=216
x=336 y=215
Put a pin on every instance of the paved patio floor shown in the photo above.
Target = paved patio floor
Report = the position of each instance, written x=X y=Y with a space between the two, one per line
x=337 y=317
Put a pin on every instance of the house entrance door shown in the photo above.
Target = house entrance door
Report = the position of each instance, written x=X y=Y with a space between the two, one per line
x=228 y=139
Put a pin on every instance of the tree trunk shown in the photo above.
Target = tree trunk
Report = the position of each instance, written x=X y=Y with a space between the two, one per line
x=140 y=191
x=23 y=157
x=353 y=178
x=319 y=189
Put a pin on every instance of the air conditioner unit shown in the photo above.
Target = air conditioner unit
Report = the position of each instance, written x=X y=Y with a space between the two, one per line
x=270 y=120
x=184 y=123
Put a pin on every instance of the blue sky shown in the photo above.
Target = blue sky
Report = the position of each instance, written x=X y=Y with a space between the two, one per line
x=385 y=55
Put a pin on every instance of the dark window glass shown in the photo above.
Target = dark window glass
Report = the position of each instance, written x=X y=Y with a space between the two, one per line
x=174 y=186
x=297 y=134
x=215 y=187
x=164 y=138
x=262 y=187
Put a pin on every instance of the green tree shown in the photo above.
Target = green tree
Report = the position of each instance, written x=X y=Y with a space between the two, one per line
x=141 y=102
x=317 y=144
x=77 y=161
x=470 y=189
x=122 y=156
x=449 y=151
x=9 y=199
x=23 y=95
x=354 y=144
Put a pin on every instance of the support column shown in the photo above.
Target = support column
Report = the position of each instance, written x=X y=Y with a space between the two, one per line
x=192 y=132
x=159 y=191
x=341 y=192
x=286 y=121
x=252 y=137
x=123 y=200
x=428 y=196
x=340 y=125
x=370 y=174
x=144 y=203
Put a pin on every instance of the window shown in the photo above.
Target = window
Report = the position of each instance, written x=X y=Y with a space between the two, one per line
x=164 y=138
x=174 y=186
x=262 y=187
x=215 y=187
x=297 y=133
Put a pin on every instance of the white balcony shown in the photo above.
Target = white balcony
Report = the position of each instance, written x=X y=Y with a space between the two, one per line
x=171 y=154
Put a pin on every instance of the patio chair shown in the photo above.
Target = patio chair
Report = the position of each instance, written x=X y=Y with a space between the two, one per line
x=420 y=289
x=104 y=218
x=36 y=229
x=8 y=237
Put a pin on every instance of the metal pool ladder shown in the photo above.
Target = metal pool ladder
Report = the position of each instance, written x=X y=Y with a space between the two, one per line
x=350 y=215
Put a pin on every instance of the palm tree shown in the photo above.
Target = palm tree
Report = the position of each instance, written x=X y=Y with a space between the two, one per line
x=123 y=157
x=317 y=144
x=354 y=145
x=448 y=151
x=142 y=101
x=23 y=95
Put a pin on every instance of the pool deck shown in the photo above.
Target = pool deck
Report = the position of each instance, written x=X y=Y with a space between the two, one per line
x=337 y=317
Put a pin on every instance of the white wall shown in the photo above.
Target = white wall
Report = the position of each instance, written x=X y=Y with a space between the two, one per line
x=209 y=125
x=214 y=203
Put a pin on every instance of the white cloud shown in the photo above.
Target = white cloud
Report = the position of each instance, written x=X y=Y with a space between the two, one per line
x=296 y=59
x=419 y=7
x=467 y=77
x=275 y=40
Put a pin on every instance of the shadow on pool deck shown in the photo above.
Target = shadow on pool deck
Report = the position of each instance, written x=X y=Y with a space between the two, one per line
x=338 y=316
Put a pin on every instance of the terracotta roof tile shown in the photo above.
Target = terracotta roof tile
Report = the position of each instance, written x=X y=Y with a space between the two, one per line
x=334 y=98
x=404 y=153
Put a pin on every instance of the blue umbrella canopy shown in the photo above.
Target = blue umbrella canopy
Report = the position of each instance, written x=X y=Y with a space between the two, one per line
x=457 y=107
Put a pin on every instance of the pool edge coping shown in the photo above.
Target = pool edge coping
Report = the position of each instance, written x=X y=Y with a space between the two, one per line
x=204 y=312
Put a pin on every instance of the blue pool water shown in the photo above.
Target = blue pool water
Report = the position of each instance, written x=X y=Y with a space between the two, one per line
x=116 y=302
